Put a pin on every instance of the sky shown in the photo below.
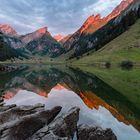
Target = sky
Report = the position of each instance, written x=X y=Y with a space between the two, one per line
x=60 y=16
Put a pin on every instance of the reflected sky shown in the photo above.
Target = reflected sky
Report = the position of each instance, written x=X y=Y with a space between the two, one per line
x=67 y=99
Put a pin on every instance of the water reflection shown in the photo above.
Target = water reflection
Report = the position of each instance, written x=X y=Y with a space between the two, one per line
x=100 y=104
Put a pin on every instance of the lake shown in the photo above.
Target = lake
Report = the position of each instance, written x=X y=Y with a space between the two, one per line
x=107 y=98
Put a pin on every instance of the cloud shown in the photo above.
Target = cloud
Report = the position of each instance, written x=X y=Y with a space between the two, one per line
x=60 y=16
x=102 y=6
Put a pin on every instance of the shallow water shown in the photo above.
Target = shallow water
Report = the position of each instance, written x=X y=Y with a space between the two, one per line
x=100 y=104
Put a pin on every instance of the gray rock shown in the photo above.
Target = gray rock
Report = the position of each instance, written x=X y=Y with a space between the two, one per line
x=1 y=102
x=62 y=128
x=65 y=126
x=5 y=108
x=18 y=112
x=46 y=134
x=25 y=127
x=36 y=123
x=85 y=132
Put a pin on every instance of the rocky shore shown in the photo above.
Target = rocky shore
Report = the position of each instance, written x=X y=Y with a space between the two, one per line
x=36 y=123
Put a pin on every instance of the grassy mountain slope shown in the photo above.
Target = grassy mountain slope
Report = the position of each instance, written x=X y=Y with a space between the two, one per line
x=124 y=47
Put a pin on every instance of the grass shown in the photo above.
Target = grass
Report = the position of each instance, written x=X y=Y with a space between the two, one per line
x=125 y=47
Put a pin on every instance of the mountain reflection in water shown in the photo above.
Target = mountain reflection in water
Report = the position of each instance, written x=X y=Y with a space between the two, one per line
x=100 y=104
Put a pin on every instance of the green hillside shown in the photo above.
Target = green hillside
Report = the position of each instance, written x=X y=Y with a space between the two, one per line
x=124 y=47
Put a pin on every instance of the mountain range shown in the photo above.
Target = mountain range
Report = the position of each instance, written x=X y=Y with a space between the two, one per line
x=96 y=32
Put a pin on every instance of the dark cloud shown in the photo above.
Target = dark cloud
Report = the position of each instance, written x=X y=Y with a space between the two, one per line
x=60 y=16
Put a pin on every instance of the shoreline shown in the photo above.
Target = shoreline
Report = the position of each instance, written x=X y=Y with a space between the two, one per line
x=46 y=124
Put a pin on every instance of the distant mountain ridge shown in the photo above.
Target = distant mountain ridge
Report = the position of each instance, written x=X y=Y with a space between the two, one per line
x=59 y=37
x=35 y=35
x=42 y=43
x=100 y=22
x=39 y=42
x=93 y=23
x=65 y=38
x=81 y=43
x=8 y=30
x=93 y=34
x=122 y=6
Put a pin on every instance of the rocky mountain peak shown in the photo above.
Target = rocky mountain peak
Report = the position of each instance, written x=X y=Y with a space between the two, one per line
x=122 y=6
x=59 y=37
x=92 y=19
x=42 y=30
x=98 y=22
x=36 y=35
x=97 y=17
x=7 y=29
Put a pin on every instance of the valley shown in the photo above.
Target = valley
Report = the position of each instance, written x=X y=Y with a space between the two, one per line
x=100 y=40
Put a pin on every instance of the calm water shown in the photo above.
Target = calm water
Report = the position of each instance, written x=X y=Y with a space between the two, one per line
x=100 y=104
